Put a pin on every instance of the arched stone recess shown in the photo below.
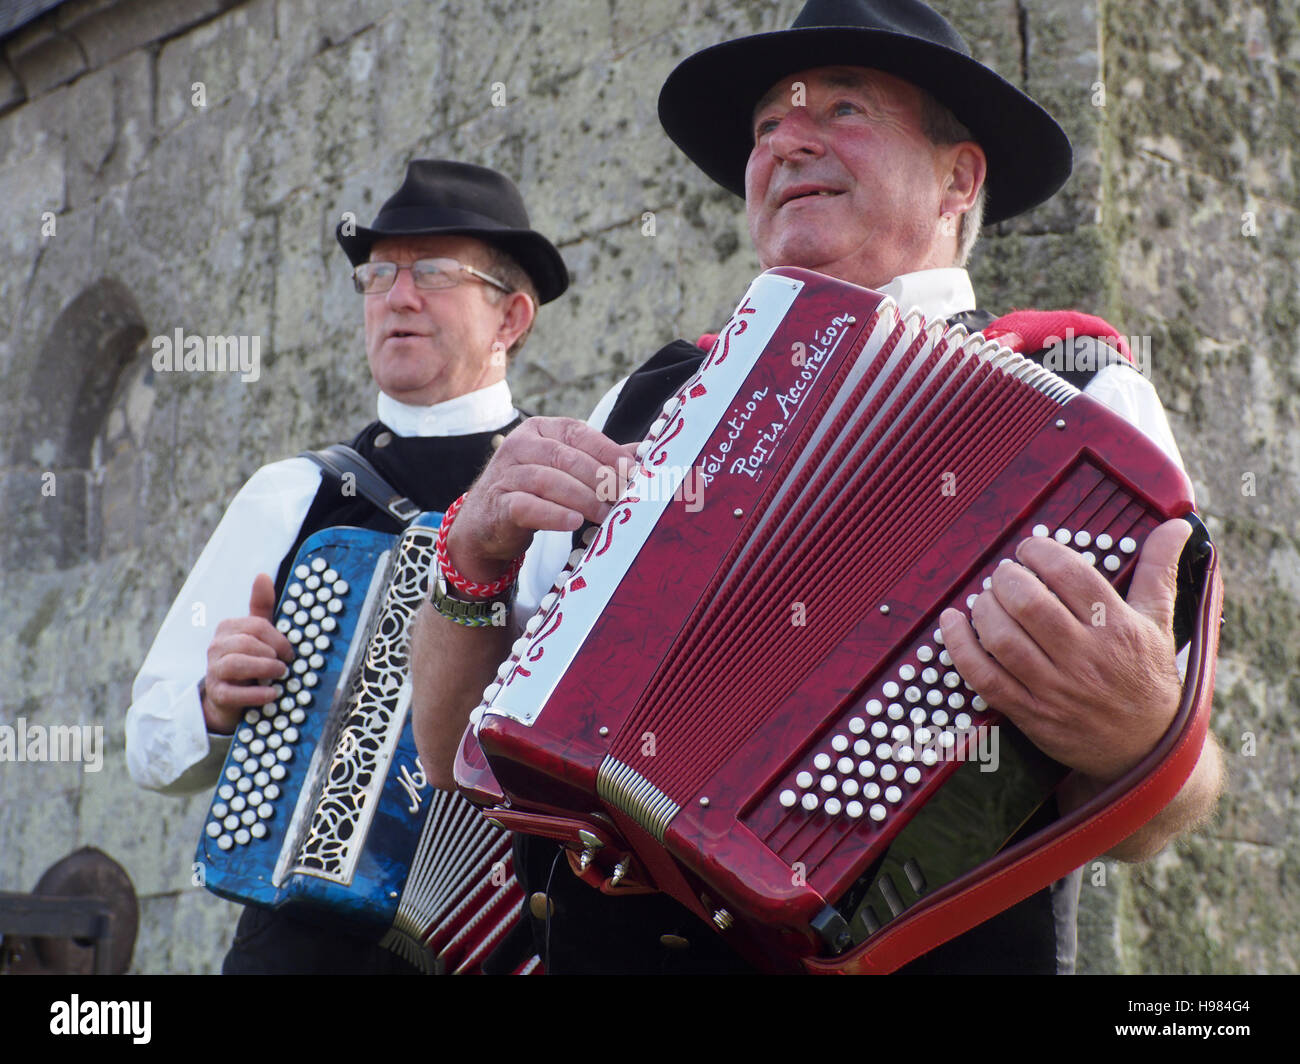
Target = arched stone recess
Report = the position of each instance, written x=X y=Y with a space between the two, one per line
x=61 y=400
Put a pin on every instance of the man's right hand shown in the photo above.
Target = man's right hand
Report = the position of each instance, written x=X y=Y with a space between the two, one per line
x=550 y=473
x=245 y=656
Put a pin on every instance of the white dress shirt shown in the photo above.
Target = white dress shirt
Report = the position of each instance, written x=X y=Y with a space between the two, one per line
x=168 y=747
x=938 y=294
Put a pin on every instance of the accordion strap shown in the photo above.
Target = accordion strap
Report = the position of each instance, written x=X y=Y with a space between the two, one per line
x=1098 y=826
x=341 y=460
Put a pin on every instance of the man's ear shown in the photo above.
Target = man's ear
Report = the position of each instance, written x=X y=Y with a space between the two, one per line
x=967 y=169
x=520 y=310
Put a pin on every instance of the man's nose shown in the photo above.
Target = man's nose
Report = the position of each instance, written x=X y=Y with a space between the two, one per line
x=796 y=135
x=403 y=293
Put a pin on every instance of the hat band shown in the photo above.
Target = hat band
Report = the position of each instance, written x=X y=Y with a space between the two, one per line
x=415 y=219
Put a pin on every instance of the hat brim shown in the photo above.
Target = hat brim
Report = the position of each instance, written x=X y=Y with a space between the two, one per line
x=706 y=105
x=536 y=255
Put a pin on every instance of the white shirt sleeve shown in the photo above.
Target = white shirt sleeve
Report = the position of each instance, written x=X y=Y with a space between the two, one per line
x=168 y=748
x=550 y=550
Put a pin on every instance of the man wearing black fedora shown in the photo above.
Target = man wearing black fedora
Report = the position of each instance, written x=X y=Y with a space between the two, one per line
x=450 y=276
x=867 y=143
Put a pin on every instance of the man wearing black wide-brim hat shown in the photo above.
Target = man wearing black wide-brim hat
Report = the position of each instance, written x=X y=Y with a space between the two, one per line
x=449 y=276
x=867 y=143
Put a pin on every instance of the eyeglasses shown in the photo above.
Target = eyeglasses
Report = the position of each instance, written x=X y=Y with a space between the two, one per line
x=375 y=278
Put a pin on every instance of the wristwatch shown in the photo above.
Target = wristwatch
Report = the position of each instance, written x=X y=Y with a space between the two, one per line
x=476 y=613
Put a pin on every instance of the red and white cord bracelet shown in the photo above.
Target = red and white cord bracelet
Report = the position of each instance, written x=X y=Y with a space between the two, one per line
x=472 y=588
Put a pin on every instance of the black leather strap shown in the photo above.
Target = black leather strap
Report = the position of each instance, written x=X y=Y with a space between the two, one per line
x=340 y=459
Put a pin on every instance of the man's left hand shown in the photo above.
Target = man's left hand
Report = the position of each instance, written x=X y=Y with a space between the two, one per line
x=1087 y=676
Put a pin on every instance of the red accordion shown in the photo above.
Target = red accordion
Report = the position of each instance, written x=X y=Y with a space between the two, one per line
x=738 y=693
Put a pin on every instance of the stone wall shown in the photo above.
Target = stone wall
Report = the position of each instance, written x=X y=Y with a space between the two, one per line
x=182 y=164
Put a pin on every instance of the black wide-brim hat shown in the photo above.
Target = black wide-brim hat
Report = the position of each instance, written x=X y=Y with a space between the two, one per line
x=444 y=198
x=707 y=104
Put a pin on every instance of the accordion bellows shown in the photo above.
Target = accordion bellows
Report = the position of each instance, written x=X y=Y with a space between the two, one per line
x=738 y=693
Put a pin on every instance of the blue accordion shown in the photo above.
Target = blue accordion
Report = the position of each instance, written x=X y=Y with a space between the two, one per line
x=323 y=806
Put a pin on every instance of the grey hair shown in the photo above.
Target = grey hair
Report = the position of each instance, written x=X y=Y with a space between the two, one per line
x=504 y=268
x=941 y=126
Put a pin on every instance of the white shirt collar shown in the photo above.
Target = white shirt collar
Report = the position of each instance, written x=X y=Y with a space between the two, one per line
x=481 y=411
x=938 y=294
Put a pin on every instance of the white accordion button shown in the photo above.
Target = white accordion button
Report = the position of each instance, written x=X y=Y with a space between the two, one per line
x=890 y=690
x=866 y=770
x=830 y=784
x=237 y=803
x=271 y=792
x=849 y=787
x=832 y=806
x=318 y=565
x=924 y=653
x=296 y=716
x=809 y=801
x=242 y=836
x=934 y=698
x=1089 y=557
x=226 y=791
x=277 y=772
x=875 y=707
x=857 y=725
x=1062 y=535
x=962 y=721
x=340 y=587
x=929 y=756
x=978 y=704
x=923 y=736
x=213 y=829
x=893 y=795
x=290 y=735
x=225 y=842
x=302 y=572
x=844 y=765
x=956 y=700
x=258 y=830
x=917 y=716
x=862 y=748
x=871 y=790
x=939 y=717
x=880 y=729
x=788 y=799
x=883 y=753
x=888 y=773
x=804 y=780
x=1104 y=542
x=896 y=711
x=938 y=636
x=265 y=811
x=248 y=817
x=1111 y=563
x=1128 y=545
x=308 y=599
x=328 y=624
x=822 y=762
x=1040 y=531
x=907 y=672
x=839 y=743
x=854 y=810
x=878 y=813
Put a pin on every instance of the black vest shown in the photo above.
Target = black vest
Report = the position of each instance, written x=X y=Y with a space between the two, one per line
x=431 y=471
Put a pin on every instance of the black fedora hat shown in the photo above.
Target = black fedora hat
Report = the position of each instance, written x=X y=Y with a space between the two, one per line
x=707 y=103
x=444 y=198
